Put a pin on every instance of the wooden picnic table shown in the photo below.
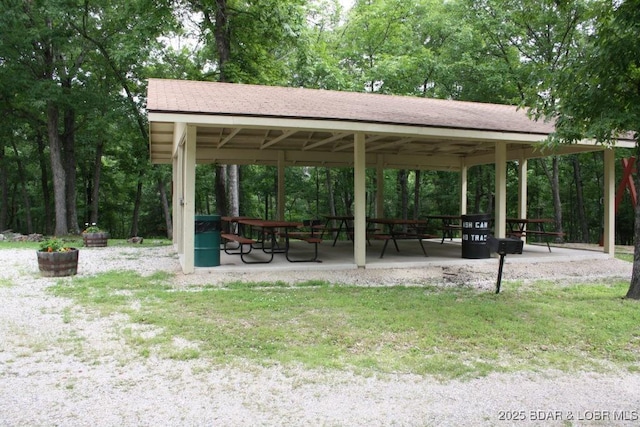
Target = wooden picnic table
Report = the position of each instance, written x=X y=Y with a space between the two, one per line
x=396 y=229
x=449 y=224
x=267 y=238
x=232 y=223
x=520 y=224
x=269 y=230
x=344 y=226
x=522 y=227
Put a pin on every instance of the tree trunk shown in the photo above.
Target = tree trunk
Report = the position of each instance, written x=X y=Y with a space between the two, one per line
x=234 y=199
x=634 y=287
x=221 y=190
x=347 y=193
x=554 y=179
x=23 y=188
x=165 y=209
x=557 y=203
x=330 y=195
x=223 y=46
x=416 y=195
x=4 y=190
x=580 y=207
x=44 y=183
x=57 y=172
x=403 y=205
x=68 y=141
x=478 y=190
x=136 y=207
x=95 y=190
x=223 y=38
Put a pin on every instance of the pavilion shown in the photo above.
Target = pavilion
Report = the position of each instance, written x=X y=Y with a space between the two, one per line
x=195 y=122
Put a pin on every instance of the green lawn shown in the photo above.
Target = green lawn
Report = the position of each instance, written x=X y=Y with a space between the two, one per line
x=76 y=242
x=448 y=333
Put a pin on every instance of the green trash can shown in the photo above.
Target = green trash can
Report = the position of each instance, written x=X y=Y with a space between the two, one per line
x=207 y=240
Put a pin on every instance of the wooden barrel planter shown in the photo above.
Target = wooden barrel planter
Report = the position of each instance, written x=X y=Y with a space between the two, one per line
x=95 y=240
x=57 y=264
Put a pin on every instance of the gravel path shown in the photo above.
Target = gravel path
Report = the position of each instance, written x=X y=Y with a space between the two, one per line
x=61 y=365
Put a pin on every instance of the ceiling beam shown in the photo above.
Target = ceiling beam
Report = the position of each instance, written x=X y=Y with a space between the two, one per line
x=325 y=141
x=390 y=144
x=275 y=140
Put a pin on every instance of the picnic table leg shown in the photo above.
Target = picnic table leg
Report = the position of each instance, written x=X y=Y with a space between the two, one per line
x=242 y=254
x=447 y=229
x=384 y=247
x=338 y=232
x=312 y=259
x=422 y=246
x=235 y=250
x=393 y=236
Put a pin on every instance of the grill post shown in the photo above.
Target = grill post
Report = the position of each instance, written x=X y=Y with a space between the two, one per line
x=500 y=273
x=503 y=247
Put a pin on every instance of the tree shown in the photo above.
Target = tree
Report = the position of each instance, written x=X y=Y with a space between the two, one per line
x=600 y=93
x=53 y=58
x=536 y=40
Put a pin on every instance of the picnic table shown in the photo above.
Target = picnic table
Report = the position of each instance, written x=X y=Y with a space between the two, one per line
x=266 y=240
x=344 y=226
x=523 y=227
x=231 y=224
x=400 y=229
x=449 y=225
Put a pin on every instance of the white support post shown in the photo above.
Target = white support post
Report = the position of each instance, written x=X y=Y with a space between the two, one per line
x=179 y=135
x=609 y=202
x=281 y=186
x=188 y=220
x=522 y=187
x=500 y=225
x=464 y=183
x=359 y=191
x=176 y=181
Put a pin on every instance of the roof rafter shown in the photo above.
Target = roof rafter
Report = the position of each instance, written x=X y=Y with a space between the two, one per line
x=229 y=137
x=277 y=139
x=367 y=141
x=325 y=141
x=390 y=144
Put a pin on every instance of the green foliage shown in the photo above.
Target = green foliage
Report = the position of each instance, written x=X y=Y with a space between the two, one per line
x=489 y=51
x=443 y=332
x=601 y=95
x=54 y=244
x=93 y=228
x=536 y=40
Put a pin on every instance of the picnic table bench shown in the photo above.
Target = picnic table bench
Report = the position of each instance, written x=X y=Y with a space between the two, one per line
x=308 y=234
x=242 y=242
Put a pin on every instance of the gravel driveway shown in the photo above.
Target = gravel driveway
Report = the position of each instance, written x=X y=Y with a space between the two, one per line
x=61 y=365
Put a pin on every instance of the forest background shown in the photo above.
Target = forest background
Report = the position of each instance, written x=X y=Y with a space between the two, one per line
x=74 y=135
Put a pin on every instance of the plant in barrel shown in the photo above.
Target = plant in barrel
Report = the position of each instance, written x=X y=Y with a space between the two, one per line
x=93 y=236
x=56 y=259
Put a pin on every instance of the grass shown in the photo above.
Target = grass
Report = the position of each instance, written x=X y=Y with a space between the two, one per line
x=625 y=257
x=6 y=283
x=76 y=242
x=448 y=333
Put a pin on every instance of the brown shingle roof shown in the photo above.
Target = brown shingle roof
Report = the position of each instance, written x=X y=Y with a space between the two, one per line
x=197 y=97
